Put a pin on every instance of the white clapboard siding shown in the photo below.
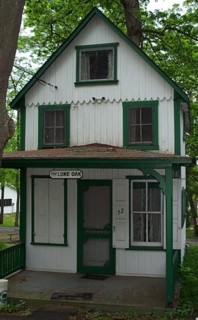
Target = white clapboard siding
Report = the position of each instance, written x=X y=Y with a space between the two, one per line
x=140 y=263
x=120 y=213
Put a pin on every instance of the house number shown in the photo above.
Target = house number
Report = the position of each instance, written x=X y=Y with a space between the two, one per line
x=120 y=211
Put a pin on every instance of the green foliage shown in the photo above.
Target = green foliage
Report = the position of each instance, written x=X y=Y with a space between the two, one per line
x=188 y=302
x=4 y=245
x=18 y=308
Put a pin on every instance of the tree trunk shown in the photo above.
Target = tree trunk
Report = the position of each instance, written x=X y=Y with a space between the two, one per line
x=133 y=20
x=2 y=204
x=10 y=21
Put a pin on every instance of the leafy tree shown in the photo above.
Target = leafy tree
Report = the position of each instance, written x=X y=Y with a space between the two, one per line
x=10 y=20
x=192 y=172
x=168 y=37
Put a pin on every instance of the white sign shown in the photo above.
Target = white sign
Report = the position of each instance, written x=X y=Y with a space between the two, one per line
x=66 y=174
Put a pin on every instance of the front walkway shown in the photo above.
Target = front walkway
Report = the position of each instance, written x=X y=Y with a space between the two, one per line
x=111 y=293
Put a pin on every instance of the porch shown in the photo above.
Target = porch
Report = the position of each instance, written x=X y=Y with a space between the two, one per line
x=143 y=294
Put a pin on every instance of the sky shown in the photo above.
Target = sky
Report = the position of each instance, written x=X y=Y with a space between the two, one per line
x=162 y=4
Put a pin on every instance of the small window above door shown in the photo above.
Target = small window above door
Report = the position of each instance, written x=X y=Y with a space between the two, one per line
x=96 y=64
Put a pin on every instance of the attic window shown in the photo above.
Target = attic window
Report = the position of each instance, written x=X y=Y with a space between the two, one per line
x=96 y=64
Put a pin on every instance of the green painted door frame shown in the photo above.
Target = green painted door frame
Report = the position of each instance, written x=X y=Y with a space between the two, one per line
x=82 y=235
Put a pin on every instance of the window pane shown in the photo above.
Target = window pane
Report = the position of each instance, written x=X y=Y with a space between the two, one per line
x=49 y=118
x=134 y=134
x=134 y=116
x=139 y=196
x=54 y=127
x=97 y=64
x=147 y=134
x=146 y=115
x=49 y=136
x=59 y=118
x=154 y=197
x=59 y=136
x=139 y=227
x=154 y=228
x=140 y=128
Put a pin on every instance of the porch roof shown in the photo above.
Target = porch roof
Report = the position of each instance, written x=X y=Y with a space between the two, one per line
x=93 y=156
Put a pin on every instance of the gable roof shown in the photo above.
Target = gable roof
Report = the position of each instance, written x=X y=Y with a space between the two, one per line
x=15 y=103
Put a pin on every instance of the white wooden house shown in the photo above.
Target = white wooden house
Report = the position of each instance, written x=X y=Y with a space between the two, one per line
x=10 y=199
x=102 y=159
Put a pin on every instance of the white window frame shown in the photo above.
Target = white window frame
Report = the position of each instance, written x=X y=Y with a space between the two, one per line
x=146 y=243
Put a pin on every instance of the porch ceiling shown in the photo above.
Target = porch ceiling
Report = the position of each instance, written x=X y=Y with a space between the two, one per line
x=94 y=156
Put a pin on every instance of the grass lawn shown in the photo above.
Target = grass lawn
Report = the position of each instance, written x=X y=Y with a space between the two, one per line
x=8 y=220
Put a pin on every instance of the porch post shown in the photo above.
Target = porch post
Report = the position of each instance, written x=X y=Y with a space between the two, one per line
x=23 y=206
x=169 y=236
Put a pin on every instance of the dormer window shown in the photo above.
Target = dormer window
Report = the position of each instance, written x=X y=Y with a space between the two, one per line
x=96 y=64
x=53 y=126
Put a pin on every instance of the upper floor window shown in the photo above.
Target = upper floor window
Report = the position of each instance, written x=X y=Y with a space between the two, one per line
x=53 y=126
x=140 y=124
x=96 y=63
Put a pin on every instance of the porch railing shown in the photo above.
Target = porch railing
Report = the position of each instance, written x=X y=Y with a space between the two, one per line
x=12 y=259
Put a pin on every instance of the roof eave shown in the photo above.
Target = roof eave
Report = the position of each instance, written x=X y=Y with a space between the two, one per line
x=122 y=163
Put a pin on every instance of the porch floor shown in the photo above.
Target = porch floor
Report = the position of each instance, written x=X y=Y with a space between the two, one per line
x=110 y=293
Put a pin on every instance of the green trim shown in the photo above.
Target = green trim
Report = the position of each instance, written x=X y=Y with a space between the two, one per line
x=32 y=191
x=141 y=104
x=177 y=124
x=41 y=110
x=169 y=237
x=94 y=12
x=23 y=197
x=96 y=82
x=33 y=177
x=143 y=248
x=110 y=269
x=22 y=124
x=49 y=244
x=136 y=163
x=157 y=176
